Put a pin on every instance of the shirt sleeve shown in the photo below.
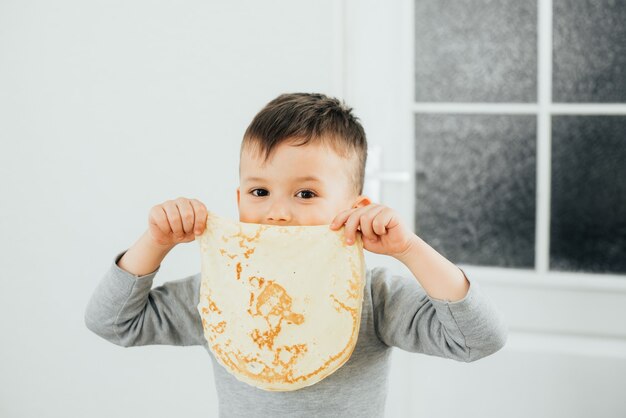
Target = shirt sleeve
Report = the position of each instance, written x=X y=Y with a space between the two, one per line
x=406 y=317
x=125 y=310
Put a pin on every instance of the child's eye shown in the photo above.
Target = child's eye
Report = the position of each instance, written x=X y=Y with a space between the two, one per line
x=254 y=190
x=307 y=193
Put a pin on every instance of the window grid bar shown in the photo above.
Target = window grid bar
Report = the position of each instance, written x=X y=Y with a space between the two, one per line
x=544 y=136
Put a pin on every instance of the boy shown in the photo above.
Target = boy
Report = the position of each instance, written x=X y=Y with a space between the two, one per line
x=302 y=162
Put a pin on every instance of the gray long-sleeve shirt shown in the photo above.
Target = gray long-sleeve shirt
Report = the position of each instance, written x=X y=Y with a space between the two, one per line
x=125 y=310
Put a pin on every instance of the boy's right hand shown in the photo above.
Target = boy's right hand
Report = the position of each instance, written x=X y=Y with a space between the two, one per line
x=177 y=221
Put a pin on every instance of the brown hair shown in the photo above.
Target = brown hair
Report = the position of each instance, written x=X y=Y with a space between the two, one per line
x=310 y=117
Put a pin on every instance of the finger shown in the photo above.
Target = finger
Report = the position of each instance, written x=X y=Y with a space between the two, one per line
x=173 y=217
x=158 y=217
x=382 y=221
x=341 y=218
x=201 y=216
x=352 y=223
x=367 y=220
x=187 y=214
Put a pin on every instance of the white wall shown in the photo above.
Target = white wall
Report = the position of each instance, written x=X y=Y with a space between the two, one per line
x=106 y=109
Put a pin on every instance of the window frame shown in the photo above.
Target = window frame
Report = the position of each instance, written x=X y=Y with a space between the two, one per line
x=378 y=82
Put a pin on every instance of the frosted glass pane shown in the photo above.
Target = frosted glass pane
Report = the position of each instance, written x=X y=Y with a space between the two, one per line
x=589 y=51
x=475 y=187
x=588 y=205
x=475 y=51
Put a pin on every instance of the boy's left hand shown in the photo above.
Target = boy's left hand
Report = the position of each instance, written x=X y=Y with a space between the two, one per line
x=381 y=229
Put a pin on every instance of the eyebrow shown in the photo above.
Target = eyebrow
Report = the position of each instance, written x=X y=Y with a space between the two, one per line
x=302 y=178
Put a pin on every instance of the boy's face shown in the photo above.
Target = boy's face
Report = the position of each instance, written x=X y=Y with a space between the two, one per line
x=277 y=192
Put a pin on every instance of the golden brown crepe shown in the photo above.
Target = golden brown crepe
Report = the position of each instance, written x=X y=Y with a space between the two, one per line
x=280 y=305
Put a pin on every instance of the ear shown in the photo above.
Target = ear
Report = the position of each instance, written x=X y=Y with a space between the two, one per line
x=361 y=201
x=238 y=197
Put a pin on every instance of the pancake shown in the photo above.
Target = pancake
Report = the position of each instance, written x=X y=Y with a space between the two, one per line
x=280 y=305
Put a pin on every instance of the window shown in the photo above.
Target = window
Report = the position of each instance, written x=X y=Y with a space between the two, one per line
x=511 y=98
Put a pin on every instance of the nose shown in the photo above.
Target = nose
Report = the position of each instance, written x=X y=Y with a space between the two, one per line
x=279 y=212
